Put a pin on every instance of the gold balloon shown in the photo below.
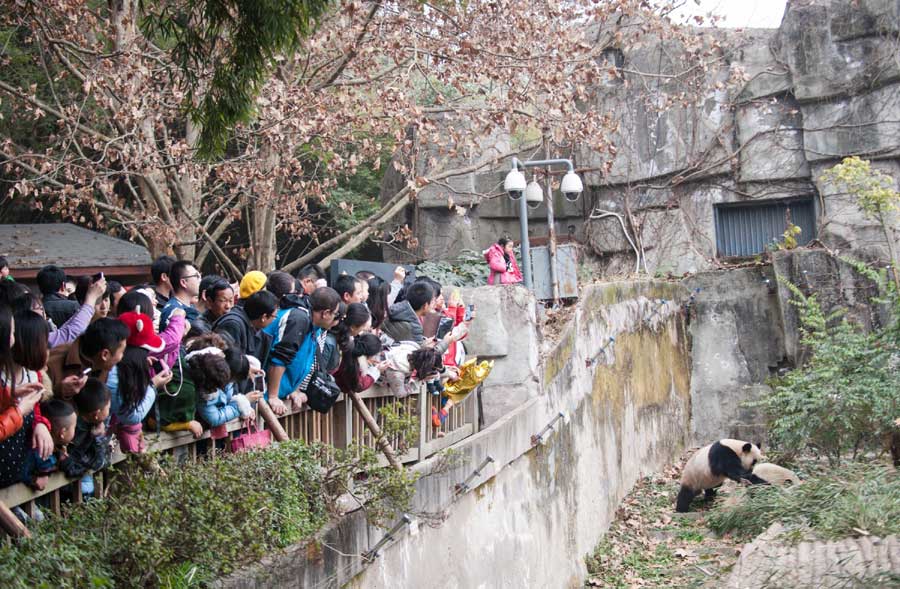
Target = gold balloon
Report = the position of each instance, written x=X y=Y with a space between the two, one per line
x=471 y=374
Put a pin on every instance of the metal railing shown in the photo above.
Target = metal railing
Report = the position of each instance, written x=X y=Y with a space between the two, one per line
x=342 y=427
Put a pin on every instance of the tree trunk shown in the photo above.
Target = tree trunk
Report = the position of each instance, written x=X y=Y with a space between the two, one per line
x=262 y=238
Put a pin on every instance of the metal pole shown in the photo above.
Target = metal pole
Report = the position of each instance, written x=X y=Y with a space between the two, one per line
x=523 y=216
x=551 y=228
x=526 y=248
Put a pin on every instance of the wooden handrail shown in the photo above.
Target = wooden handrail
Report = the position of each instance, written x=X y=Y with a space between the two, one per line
x=341 y=427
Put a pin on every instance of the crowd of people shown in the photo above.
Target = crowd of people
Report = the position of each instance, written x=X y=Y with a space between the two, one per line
x=86 y=361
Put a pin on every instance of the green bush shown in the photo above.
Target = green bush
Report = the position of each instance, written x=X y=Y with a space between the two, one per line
x=859 y=498
x=467 y=269
x=183 y=529
x=845 y=399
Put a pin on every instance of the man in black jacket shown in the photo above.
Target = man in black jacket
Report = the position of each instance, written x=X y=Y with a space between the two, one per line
x=404 y=320
x=51 y=281
x=243 y=325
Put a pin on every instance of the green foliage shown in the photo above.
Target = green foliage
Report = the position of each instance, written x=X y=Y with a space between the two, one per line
x=197 y=522
x=873 y=189
x=386 y=492
x=789 y=237
x=356 y=198
x=400 y=426
x=833 y=503
x=846 y=396
x=258 y=34
x=22 y=67
x=467 y=269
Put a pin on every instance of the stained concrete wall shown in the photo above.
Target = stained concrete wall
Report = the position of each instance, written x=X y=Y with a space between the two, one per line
x=533 y=514
x=738 y=343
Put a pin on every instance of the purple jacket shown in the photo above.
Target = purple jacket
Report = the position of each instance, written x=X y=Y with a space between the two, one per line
x=74 y=327
x=171 y=336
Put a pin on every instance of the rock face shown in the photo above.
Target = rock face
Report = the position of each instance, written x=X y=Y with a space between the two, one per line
x=823 y=86
x=769 y=561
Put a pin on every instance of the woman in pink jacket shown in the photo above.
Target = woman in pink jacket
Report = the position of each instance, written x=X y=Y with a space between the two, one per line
x=502 y=263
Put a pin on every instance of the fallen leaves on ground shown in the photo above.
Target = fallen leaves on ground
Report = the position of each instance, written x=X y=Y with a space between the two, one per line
x=650 y=545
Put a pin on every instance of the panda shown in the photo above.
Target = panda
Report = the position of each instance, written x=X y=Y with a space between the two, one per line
x=775 y=475
x=711 y=465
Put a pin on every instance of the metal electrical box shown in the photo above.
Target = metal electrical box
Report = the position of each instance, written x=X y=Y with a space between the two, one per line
x=363 y=269
x=566 y=271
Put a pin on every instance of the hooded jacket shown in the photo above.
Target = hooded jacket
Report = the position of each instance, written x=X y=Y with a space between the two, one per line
x=402 y=324
x=508 y=273
x=222 y=406
x=236 y=326
x=59 y=309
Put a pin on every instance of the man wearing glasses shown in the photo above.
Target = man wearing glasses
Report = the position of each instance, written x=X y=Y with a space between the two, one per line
x=185 y=290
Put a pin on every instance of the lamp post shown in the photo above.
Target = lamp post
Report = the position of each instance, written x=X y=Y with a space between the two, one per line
x=519 y=190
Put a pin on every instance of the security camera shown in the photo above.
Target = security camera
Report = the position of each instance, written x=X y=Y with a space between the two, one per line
x=534 y=194
x=571 y=186
x=514 y=184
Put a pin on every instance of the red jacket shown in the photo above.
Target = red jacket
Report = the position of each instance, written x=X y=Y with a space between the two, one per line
x=497 y=263
x=11 y=420
x=457 y=313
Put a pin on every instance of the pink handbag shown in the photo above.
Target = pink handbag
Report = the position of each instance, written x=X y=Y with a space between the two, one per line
x=253 y=438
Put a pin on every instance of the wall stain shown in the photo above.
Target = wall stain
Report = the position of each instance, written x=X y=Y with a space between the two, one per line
x=560 y=357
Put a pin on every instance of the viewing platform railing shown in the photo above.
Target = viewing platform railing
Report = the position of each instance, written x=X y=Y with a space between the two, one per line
x=342 y=427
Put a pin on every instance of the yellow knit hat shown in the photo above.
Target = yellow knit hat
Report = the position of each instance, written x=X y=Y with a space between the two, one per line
x=252 y=282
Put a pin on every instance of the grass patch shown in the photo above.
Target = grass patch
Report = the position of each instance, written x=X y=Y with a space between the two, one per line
x=690 y=536
x=649 y=545
x=854 y=499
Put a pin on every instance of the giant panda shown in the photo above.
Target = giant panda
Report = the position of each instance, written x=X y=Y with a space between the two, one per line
x=711 y=465
x=775 y=475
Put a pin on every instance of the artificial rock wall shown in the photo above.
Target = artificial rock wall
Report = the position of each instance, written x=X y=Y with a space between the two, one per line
x=745 y=330
x=536 y=511
x=824 y=85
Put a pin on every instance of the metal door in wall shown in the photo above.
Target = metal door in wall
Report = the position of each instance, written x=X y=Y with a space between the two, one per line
x=747 y=230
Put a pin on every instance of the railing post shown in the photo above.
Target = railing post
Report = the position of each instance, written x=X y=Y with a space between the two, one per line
x=424 y=422
x=348 y=422
x=471 y=409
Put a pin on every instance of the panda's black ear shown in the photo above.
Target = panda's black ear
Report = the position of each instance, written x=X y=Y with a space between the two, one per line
x=747 y=447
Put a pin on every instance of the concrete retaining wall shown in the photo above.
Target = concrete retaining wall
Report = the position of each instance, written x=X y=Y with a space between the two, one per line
x=531 y=517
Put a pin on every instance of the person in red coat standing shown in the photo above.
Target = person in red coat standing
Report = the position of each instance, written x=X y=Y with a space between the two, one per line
x=502 y=263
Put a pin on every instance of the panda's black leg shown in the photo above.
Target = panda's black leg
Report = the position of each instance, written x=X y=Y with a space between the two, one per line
x=709 y=494
x=685 y=496
x=754 y=480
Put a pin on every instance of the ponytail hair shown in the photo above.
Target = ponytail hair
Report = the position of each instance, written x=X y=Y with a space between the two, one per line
x=364 y=345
